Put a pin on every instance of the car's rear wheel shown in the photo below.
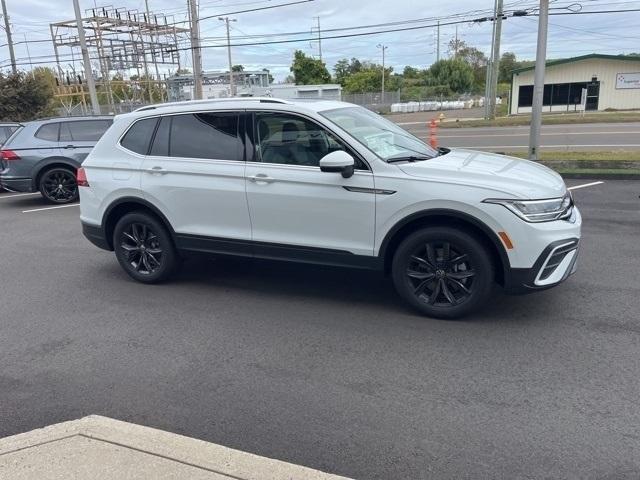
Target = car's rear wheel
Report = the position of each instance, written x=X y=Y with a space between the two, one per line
x=144 y=248
x=58 y=185
x=443 y=272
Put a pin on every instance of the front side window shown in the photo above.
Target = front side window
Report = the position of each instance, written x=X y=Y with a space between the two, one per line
x=48 y=132
x=83 y=130
x=382 y=137
x=211 y=135
x=292 y=140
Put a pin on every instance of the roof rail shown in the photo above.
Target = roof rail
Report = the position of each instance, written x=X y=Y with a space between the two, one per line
x=213 y=100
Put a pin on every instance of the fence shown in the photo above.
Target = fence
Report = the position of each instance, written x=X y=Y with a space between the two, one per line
x=376 y=101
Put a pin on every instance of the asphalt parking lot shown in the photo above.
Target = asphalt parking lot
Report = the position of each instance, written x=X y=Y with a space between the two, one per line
x=326 y=367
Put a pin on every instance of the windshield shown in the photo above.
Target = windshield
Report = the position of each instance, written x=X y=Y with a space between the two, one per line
x=384 y=138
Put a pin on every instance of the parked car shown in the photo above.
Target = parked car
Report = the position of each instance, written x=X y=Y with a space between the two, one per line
x=44 y=155
x=327 y=183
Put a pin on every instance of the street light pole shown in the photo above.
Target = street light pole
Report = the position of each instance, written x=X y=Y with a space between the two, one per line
x=538 y=83
x=88 y=73
x=232 y=86
x=383 y=48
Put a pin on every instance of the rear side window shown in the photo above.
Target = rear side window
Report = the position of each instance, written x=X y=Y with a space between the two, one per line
x=5 y=133
x=83 y=130
x=48 y=132
x=138 y=137
x=203 y=135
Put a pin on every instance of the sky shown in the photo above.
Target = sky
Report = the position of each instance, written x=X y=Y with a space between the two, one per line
x=569 y=35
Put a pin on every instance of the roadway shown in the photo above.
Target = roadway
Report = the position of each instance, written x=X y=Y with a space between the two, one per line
x=586 y=137
x=326 y=367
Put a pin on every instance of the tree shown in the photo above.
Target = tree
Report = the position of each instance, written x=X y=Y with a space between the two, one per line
x=237 y=68
x=455 y=45
x=410 y=72
x=369 y=79
x=508 y=64
x=307 y=70
x=478 y=63
x=454 y=72
x=25 y=97
x=183 y=71
x=343 y=68
x=270 y=76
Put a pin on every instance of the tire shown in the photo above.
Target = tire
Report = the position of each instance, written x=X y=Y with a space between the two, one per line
x=58 y=185
x=144 y=248
x=443 y=272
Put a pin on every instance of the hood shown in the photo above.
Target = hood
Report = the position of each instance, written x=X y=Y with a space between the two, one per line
x=514 y=176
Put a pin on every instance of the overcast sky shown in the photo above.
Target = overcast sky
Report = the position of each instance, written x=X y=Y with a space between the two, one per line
x=613 y=33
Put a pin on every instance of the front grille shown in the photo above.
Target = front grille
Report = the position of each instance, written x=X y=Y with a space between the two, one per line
x=556 y=259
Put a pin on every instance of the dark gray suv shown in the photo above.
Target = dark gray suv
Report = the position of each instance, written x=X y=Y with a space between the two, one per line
x=44 y=155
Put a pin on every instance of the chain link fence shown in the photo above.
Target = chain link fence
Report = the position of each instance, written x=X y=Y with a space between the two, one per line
x=376 y=101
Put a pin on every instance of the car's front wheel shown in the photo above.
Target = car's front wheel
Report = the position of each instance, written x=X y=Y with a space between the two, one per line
x=444 y=272
x=144 y=248
x=58 y=185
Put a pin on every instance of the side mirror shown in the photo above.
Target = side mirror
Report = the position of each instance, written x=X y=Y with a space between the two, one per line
x=338 y=162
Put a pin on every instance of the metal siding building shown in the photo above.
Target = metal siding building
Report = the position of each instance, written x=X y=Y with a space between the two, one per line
x=612 y=81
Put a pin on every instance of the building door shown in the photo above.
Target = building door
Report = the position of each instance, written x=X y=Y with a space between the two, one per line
x=593 y=92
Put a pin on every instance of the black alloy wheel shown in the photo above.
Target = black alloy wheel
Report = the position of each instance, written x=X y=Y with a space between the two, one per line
x=141 y=247
x=444 y=272
x=440 y=274
x=59 y=185
x=144 y=247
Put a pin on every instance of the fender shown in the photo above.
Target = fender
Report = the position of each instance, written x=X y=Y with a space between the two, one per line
x=38 y=168
x=141 y=201
x=443 y=212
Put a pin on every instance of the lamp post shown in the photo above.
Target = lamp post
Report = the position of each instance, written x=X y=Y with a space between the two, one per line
x=382 y=47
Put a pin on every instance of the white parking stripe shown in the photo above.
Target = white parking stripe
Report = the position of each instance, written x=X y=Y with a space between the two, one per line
x=585 y=185
x=50 y=208
x=18 y=195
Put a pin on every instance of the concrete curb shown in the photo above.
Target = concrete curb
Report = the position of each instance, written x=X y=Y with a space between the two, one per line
x=98 y=447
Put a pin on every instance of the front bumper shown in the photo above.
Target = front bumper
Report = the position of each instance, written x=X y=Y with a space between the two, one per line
x=556 y=263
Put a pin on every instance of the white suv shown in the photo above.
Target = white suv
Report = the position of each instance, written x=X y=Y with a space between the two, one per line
x=326 y=183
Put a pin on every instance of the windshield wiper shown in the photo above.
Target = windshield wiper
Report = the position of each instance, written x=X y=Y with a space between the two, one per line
x=408 y=158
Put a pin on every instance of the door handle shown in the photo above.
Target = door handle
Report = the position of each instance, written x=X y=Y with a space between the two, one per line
x=261 y=178
x=158 y=170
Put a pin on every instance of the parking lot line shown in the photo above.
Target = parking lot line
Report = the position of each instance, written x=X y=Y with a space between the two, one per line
x=585 y=185
x=50 y=208
x=19 y=195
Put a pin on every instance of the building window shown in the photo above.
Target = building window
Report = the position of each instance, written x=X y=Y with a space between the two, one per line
x=560 y=94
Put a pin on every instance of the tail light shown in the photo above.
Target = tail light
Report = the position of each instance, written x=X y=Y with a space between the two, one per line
x=8 y=155
x=81 y=178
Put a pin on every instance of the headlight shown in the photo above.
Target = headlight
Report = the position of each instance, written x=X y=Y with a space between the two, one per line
x=538 y=210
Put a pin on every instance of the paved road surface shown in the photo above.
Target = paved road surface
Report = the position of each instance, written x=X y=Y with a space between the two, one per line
x=325 y=367
x=593 y=136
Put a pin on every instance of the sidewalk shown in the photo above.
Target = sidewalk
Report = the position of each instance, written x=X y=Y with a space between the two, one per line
x=100 y=448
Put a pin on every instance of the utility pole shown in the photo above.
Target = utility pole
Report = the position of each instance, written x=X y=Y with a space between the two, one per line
x=7 y=29
x=232 y=86
x=455 y=54
x=438 y=43
x=26 y=44
x=319 y=40
x=195 y=50
x=383 y=48
x=495 y=62
x=86 y=61
x=538 y=82
x=489 y=70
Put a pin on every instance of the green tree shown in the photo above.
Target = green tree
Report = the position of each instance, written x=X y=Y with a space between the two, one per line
x=454 y=72
x=237 y=68
x=343 y=68
x=25 y=97
x=478 y=63
x=308 y=70
x=508 y=64
x=410 y=72
x=369 y=79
